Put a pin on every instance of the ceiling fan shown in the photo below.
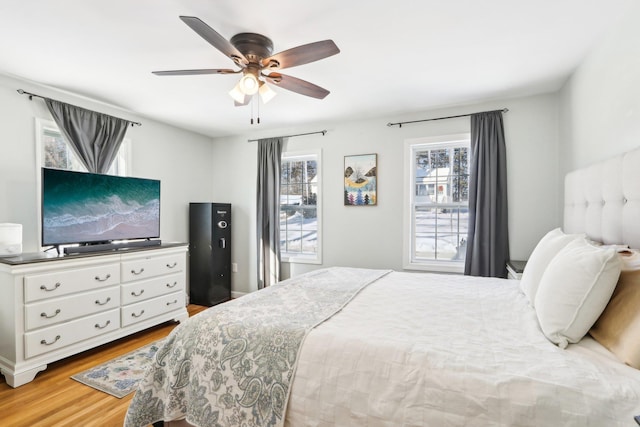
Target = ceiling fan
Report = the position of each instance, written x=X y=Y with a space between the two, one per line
x=253 y=54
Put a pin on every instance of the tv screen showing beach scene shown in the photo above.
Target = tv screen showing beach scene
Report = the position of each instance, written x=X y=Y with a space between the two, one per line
x=79 y=207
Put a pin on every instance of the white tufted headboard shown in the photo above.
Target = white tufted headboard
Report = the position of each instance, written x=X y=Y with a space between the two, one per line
x=603 y=200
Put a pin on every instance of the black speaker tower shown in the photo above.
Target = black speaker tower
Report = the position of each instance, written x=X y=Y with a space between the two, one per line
x=209 y=253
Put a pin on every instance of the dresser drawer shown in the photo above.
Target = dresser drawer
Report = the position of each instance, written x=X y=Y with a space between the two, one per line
x=150 y=267
x=151 y=288
x=55 y=337
x=56 y=310
x=63 y=282
x=150 y=308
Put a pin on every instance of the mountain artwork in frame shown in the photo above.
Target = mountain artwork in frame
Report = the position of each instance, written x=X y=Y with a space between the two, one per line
x=361 y=180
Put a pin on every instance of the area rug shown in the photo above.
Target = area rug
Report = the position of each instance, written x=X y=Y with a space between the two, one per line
x=120 y=376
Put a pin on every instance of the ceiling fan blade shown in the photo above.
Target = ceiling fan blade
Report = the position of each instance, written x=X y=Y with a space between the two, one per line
x=297 y=85
x=195 y=72
x=301 y=55
x=215 y=39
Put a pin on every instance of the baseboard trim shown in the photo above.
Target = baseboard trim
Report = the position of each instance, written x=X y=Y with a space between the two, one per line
x=235 y=294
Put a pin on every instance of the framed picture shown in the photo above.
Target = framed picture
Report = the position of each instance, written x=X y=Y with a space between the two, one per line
x=361 y=180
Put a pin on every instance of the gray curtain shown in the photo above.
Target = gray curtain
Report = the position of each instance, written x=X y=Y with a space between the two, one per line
x=95 y=137
x=488 y=239
x=268 y=211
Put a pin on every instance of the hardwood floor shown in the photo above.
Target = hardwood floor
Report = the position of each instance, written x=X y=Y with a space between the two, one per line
x=54 y=399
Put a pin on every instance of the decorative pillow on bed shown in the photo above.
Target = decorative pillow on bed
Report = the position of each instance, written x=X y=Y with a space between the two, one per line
x=618 y=328
x=543 y=253
x=574 y=290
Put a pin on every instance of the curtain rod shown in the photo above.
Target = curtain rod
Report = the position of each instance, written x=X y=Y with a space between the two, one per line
x=291 y=136
x=31 y=95
x=399 y=124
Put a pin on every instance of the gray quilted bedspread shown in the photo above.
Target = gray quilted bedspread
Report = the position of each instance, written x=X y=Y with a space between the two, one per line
x=233 y=364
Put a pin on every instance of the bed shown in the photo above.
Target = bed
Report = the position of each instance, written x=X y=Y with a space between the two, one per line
x=361 y=347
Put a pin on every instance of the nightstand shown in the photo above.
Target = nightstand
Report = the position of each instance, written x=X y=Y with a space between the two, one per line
x=515 y=269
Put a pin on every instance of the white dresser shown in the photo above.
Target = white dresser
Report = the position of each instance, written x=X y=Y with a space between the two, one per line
x=54 y=307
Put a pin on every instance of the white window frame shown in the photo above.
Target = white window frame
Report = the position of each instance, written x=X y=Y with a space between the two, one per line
x=409 y=260
x=123 y=158
x=294 y=257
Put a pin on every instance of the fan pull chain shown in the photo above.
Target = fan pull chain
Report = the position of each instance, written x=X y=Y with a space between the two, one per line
x=258 y=110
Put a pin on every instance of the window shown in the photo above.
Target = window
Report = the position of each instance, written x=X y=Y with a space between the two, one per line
x=300 y=207
x=438 y=194
x=55 y=152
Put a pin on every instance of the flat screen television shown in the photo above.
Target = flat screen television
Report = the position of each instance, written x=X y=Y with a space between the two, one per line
x=90 y=208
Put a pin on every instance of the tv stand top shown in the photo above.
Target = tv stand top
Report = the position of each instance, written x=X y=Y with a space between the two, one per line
x=34 y=257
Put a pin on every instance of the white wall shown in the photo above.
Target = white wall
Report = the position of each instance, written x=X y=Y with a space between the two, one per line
x=180 y=159
x=600 y=104
x=372 y=236
x=193 y=168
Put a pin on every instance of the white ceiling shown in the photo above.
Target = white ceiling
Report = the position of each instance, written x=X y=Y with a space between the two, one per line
x=397 y=56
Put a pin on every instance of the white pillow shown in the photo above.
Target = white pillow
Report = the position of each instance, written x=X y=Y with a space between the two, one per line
x=574 y=290
x=543 y=253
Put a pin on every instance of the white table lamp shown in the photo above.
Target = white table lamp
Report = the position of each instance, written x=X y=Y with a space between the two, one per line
x=10 y=239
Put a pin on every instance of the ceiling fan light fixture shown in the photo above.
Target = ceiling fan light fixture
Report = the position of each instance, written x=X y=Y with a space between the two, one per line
x=266 y=93
x=249 y=84
x=237 y=94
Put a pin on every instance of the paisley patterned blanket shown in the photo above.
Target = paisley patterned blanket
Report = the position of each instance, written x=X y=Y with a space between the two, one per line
x=233 y=364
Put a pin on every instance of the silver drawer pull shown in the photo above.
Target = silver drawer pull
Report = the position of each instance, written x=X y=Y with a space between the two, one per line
x=137 y=315
x=137 y=294
x=56 y=286
x=169 y=285
x=99 y=279
x=171 y=303
x=44 y=342
x=103 y=303
x=137 y=272
x=175 y=264
x=103 y=326
x=46 y=316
